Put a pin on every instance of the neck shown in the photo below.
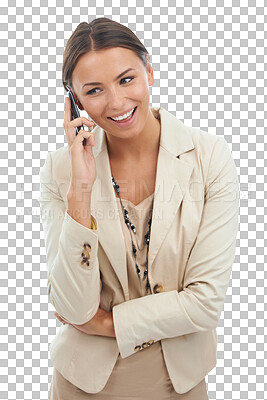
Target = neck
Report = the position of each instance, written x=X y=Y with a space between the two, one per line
x=136 y=148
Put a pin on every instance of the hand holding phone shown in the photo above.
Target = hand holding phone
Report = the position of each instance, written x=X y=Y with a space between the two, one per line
x=75 y=113
x=80 y=143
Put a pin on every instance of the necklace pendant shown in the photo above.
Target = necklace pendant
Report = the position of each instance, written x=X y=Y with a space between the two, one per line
x=147 y=286
x=133 y=228
x=145 y=274
x=138 y=272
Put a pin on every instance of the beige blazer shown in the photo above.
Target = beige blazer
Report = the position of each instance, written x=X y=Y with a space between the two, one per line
x=192 y=248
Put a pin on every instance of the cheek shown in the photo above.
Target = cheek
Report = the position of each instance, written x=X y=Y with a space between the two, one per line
x=139 y=91
x=95 y=108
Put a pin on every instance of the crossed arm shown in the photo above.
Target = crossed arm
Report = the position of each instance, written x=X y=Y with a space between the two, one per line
x=71 y=287
x=101 y=324
x=196 y=308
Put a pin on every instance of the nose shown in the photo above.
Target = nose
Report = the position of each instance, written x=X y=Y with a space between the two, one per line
x=115 y=99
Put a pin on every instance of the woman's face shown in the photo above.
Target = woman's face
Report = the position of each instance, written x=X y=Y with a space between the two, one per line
x=110 y=95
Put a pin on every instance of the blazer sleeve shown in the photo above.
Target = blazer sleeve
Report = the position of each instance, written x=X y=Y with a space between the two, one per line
x=198 y=306
x=73 y=287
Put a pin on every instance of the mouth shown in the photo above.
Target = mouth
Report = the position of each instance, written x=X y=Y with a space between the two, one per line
x=126 y=121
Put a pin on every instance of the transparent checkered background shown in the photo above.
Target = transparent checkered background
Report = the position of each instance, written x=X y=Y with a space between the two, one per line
x=209 y=60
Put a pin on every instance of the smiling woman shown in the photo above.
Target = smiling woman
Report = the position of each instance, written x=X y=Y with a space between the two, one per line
x=139 y=296
x=117 y=101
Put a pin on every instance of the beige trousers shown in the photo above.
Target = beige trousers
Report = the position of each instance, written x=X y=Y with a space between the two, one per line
x=143 y=376
x=62 y=389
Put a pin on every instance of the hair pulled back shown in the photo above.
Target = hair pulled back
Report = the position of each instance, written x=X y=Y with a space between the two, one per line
x=101 y=33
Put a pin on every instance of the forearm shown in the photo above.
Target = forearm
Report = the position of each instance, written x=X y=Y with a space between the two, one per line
x=73 y=286
x=79 y=204
x=74 y=278
x=110 y=326
x=103 y=325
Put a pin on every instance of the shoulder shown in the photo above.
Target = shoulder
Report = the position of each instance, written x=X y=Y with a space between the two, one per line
x=212 y=157
x=206 y=143
x=207 y=152
x=57 y=163
x=189 y=142
x=203 y=142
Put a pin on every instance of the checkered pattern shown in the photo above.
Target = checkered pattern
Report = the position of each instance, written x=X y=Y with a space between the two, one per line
x=209 y=71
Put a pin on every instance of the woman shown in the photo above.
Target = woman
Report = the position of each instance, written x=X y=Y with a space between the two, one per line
x=140 y=228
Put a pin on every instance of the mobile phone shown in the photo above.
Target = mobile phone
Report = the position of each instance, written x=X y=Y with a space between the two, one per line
x=75 y=113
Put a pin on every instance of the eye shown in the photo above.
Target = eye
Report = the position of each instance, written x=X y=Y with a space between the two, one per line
x=128 y=77
x=92 y=91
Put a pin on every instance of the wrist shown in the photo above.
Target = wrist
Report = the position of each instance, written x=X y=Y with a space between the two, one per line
x=80 y=211
x=80 y=192
x=109 y=325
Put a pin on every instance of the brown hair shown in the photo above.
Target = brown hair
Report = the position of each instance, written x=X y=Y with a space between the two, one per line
x=101 y=33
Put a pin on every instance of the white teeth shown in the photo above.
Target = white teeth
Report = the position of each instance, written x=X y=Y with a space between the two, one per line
x=123 y=116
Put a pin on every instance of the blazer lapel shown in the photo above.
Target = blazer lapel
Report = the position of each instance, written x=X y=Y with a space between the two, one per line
x=172 y=180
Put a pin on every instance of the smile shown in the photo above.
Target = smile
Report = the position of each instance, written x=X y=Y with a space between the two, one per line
x=123 y=116
x=125 y=120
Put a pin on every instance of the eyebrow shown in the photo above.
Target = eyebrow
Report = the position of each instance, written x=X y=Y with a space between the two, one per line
x=99 y=83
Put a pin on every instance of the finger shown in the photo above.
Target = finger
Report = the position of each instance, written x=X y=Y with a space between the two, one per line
x=82 y=121
x=85 y=135
x=67 y=119
x=59 y=318
x=67 y=111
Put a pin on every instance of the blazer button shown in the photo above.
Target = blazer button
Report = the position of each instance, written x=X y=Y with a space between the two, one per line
x=137 y=348
x=87 y=246
x=144 y=345
x=86 y=254
x=158 y=288
x=150 y=342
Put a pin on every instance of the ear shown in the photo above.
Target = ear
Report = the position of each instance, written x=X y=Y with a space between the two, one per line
x=77 y=101
x=150 y=73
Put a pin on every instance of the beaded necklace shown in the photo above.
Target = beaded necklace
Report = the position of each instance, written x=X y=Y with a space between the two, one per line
x=131 y=229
